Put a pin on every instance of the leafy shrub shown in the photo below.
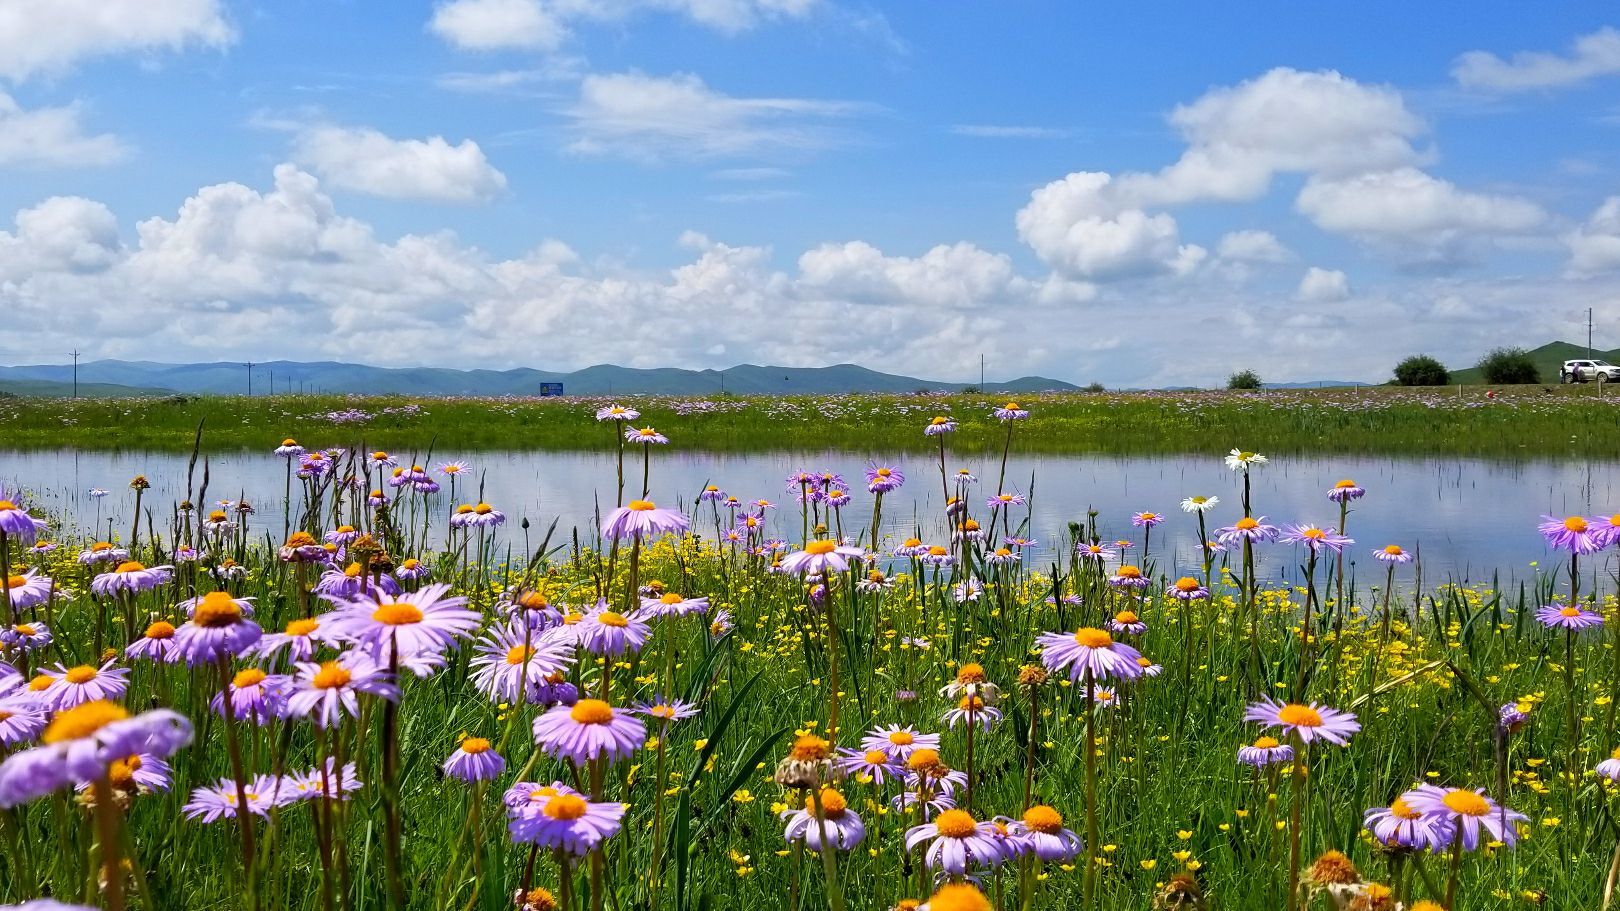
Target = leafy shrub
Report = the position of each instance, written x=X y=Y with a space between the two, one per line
x=1421 y=370
x=1509 y=366
x=1243 y=379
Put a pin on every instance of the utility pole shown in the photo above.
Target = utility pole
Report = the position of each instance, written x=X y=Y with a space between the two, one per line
x=250 y=379
x=272 y=382
x=75 y=355
x=1588 y=333
x=981 y=371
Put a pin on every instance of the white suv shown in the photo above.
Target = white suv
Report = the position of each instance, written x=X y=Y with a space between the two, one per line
x=1582 y=371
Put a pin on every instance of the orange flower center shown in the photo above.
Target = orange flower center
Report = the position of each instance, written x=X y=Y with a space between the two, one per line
x=1345 y=484
x=400 y=613
x=970 y=673
x=591 y=711
x=833 y=804
x=84 y=673
x=215 y=610
x=1466 y=803
x=1129 y=572
x=250 y=677
x=475 y=745
x=1093 y=638
x=956 y=824
x=1400 y=809
x=610 y=618
x=671 y=598
x=1266 y=743
x=303 y=627
x=1186 y=584
x=565 y=807
x=1570 y=611
x=902 y=738
x=1575 y=524
x=518 y=654
x=875 y=757
x=1042 y=818
x=129 y=567
x=1247 y=524
x=1126 y=616
x=1299 y=716
x=820 y=547
x=83 y=720
x=640 y=505
x=810 y=748
x=922 y=760
x=332 y=676
x=483 y=509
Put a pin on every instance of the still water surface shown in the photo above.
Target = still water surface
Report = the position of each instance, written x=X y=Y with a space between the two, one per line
x=1468 y=517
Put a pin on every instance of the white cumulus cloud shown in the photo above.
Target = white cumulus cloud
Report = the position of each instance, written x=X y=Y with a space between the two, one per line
x=367 y=161
x=52 y=137
x=483 y=25
x=1323 y=286
x=1590 y=57
x=50 y=36
x=1415 y=212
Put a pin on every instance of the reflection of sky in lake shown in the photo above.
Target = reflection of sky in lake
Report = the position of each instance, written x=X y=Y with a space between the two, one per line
x=1469 y=517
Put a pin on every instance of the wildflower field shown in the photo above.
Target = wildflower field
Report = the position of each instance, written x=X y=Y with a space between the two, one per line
x=1513 y=422
x=395 y=697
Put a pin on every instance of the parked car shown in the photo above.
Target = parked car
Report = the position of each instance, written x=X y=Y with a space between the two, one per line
x=1581 y=371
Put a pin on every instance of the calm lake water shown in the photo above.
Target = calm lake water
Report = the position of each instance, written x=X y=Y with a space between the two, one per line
x=1469 y=517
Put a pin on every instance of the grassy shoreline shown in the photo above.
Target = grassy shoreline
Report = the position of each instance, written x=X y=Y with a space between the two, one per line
x=1519 y=422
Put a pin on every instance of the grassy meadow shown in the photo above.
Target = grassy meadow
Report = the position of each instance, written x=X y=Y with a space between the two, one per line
x=813 y=636
x=1516 y=422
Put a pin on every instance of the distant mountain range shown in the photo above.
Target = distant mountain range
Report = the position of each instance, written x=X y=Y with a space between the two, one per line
x=113 y=378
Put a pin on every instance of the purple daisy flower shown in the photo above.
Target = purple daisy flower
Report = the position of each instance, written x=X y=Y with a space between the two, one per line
x=564 y=819
x=911 y=547
x=327 y=783
x=617 y=413
x=350 y=582
x=256 y=695
x=1402 y=825
x=1308 y=722
x=1041 y=831
x=1246 y=529
x=589 y=729
x=671 y=604
x=1089 y=653
x=1393 y=554
x=666 y=711
x=1187 y=588
x=1129 y=577
x=300 y=638
x=820 y=557
x=517 y=658
x=220 y=802
x=81 y=742
x=474 y=760
x=1005 y=500
x=1469 y=811
x=939 y=426
x=876 y=763
x=1568 y=617
x=1345 y=491
x=329 y=690
x=883 y=478
x=1011 y=412
x=83 y=683
x=131 y=577
x=1146 y=520
x=15 y=520
x=1098 y=553
x=843 y=827
x=1127 y=622
x=610 y=633
x=645 y=435
x=416 y=626
x=1317 y=539
x=218 y=629
x=643 y=519
x=156 y=645
x=21 y=720
x=958 y=842
x=1265 y=751
x=29 y=589
x=289 y=448
x=1574 y=534
x=102 y=552
x=26 y=637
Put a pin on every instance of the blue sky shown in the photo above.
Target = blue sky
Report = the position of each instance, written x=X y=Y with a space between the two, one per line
x=1136 y=194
